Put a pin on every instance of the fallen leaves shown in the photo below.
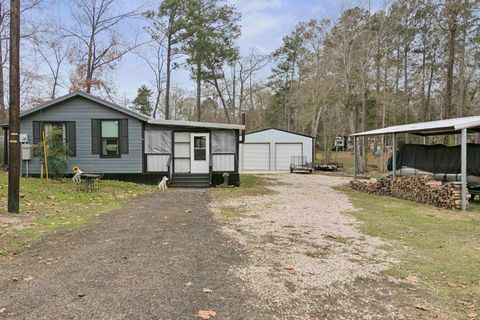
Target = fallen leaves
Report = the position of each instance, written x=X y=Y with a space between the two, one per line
x=291 y=270
x=422 y=307
x=29 y=278
x=472 y=314
x=206 y=290
x=188 y=211
x=206 y=314
x=2 y=310
x=411 y=279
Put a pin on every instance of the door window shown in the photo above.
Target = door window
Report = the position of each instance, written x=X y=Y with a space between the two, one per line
x=199 y=148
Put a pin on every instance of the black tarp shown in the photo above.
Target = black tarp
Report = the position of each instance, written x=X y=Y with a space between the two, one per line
x=437 y=158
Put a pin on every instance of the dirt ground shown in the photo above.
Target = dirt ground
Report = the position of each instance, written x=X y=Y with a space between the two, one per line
x=294 y=254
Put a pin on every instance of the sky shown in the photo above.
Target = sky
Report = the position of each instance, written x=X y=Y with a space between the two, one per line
x=263 y=23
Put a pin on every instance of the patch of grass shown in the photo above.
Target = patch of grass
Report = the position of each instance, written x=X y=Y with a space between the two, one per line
x=317 y=253
x=250 y=185
x=231 y=213
x=58 y=205
x=440 y=247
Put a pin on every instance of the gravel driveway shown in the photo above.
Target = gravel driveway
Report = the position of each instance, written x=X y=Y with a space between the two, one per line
x=293 y=254
x=308 y=258
x=150 y=260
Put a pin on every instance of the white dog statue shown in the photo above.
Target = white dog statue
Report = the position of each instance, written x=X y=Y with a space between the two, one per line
x=163 y=184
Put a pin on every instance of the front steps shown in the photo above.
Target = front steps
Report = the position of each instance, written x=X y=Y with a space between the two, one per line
x=190 y=180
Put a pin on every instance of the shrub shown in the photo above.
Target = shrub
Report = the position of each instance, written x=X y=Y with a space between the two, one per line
x=57 y=153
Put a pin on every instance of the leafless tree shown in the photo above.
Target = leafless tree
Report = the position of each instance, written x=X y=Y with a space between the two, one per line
x=98 y=43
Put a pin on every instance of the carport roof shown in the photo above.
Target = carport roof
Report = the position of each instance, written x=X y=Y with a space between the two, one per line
x=447 y=126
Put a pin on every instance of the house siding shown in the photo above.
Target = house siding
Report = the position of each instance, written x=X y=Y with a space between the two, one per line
x=82 y=111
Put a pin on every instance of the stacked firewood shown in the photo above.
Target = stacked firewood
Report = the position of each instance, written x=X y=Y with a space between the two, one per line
x=421 y=189
x=380 y=187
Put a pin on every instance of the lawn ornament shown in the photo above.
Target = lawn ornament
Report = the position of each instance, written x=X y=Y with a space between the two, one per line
x=78 y=173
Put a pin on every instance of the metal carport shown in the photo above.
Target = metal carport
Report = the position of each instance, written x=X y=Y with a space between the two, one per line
x=461 y=126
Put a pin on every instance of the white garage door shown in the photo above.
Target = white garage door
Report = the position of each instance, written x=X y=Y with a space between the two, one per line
x=284 y=153
x=256 y=156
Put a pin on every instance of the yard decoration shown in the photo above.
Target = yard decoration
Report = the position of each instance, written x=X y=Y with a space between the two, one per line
x=78 y=174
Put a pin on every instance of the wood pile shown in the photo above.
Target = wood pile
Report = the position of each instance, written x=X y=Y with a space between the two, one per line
x=421 y=189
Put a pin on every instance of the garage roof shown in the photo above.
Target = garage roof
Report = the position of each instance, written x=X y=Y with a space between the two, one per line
x=447 y=126
x=266 y=129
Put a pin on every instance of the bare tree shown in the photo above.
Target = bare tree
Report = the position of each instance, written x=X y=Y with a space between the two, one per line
x=54 y=54
x=98 y=43
x=29 y=27
x=154 y=56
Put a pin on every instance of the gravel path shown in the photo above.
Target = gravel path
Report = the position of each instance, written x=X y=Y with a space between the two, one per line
x=150 y=260
x=307 y=255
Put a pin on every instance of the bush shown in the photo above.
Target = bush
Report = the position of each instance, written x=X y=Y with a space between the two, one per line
x=57 y=153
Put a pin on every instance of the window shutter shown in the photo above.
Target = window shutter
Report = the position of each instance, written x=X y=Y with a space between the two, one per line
x=96 y=136
x=71 y=138
x=37 y=136
x=37 y=132
x=123 y=131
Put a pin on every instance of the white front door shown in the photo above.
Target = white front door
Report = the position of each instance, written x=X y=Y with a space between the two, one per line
x=200 y=152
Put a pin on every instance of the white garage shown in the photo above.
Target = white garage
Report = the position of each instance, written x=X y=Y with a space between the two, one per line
x=272 y=149
x=256 y=156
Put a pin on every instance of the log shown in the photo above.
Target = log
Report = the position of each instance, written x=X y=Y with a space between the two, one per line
x=421 y=189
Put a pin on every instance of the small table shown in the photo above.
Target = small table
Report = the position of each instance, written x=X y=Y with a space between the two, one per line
x=89 y=181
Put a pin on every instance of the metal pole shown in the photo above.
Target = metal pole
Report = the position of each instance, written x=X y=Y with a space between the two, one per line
x=354 y=158
x=464 y=168
x=394 y=156
x=14 y=112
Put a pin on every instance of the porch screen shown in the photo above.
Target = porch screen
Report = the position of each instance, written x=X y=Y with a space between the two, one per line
x=158 y=142
x=223 y=141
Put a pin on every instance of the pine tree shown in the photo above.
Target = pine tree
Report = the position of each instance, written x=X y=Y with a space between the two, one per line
x=142 y=103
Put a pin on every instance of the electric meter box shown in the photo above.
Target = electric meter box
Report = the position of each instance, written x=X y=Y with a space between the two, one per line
x=26 y=151
x=23 y=138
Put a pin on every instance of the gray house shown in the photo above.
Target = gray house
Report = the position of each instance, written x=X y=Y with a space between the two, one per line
x=122 y=144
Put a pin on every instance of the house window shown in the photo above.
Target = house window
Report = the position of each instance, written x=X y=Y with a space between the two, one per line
x=48 y=127
x=199 y=148
x=67 y=128
x=110 y=138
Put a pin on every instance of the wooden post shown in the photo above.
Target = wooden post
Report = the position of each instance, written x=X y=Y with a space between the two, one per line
x=45 y=154
x=14 y=112
x=355 y=158
x=464 y=168
x=394 y=156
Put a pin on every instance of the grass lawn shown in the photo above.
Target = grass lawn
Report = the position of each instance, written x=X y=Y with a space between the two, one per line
x=45 y=208
x=439 y=247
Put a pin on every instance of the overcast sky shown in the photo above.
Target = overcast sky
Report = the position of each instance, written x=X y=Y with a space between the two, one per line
x=263 y=24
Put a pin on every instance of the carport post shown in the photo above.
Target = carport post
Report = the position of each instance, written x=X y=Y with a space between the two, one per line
x=464 y=168
x=394 y=156
x=355 y=158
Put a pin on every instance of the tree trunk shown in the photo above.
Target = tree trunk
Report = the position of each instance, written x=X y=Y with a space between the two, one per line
x=452 y=33
x=462 y=89
x=405 y=88
x=3 y=111
x=199 y=93
x=167 y=84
